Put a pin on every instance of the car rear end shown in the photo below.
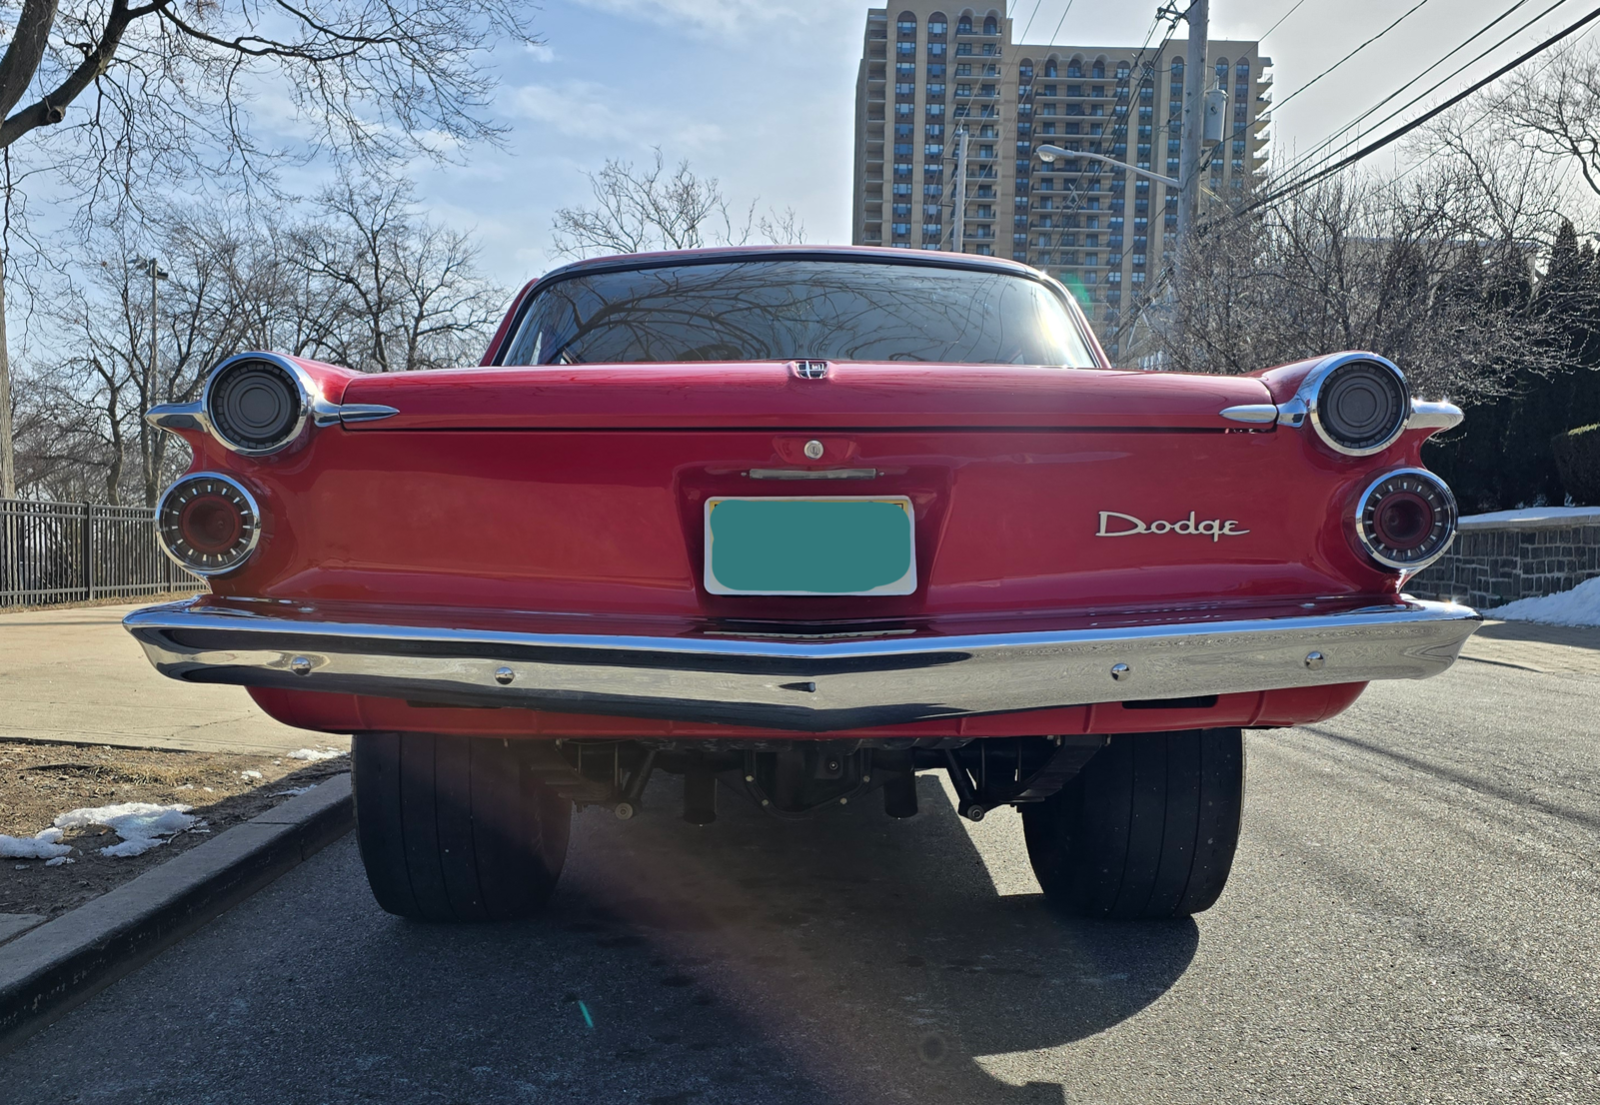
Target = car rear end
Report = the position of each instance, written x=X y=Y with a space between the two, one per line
x=836 y=526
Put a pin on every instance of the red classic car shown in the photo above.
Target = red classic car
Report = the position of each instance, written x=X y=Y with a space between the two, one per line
x=796 y=524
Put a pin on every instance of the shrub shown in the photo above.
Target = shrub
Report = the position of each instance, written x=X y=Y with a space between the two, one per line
x=1577 y=454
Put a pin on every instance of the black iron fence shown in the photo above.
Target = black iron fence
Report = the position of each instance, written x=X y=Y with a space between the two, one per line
x=72 y=552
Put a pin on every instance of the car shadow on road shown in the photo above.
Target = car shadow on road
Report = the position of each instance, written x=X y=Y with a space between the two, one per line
x=878 y=955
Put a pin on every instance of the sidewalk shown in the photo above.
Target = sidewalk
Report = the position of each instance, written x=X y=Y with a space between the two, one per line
x=1552 y=649
x=75 y=675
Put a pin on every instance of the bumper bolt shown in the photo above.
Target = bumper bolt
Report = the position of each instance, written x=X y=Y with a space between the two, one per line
x=1316 y=661
x=300 y=665
x=1120 y=672
x=504 y=676
x=623 y=810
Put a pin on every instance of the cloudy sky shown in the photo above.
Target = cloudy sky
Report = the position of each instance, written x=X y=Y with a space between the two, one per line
x=758 y=93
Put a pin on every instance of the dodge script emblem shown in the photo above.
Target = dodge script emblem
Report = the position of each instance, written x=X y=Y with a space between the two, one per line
x=1113 y=524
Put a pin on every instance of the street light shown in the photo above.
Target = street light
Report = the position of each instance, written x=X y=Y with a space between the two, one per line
x=1048 y=154
x=152 y=268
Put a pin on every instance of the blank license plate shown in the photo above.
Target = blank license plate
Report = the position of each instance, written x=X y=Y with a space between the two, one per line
x=859 y=545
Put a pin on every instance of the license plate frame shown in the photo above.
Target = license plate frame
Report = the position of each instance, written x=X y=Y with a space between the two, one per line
x=779 y=547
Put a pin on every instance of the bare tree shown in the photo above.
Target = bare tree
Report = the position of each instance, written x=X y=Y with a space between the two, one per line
x=407 y=291
x=635 y=210
x=138 y=92
x=235 y=284
x=1438 y=270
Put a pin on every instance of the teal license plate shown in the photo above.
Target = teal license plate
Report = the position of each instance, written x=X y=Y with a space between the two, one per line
x=859 y=545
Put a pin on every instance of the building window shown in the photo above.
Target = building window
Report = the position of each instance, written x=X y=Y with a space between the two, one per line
x=900 y=230
x=932 y=192
x=964 y=25
x=905 y=49
x=906 y=25
x=904 y=110
x=936 y=72
x=937 y=27
x=905 y=70
x=905 y=88
x=932 y=150
x=933 y=130
x=934 y=111
x=936 y=49
x=936 y=91
x=900 y=210
x=902 y=130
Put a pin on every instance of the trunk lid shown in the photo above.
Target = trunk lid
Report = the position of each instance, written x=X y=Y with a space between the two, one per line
x=727 y=396
x=585 y=491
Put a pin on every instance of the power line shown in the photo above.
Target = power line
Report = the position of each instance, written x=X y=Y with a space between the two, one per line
x=1353 y=53
x=1394 y=136
x=1300 y=164
x=1281 y=18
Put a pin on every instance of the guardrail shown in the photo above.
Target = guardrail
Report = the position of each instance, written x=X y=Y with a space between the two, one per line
x=74 y=552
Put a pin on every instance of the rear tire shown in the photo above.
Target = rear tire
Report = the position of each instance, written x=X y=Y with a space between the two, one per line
x=1146 y=830
x=455 y=828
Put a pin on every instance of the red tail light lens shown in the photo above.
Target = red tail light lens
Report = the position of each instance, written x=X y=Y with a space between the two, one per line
x=208 y=523
x=1406 y=520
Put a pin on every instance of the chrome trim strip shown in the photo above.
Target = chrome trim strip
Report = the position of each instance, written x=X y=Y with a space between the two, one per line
x=1434 y=416
x=1255 y=413
x=812 y=474
x=848 y=683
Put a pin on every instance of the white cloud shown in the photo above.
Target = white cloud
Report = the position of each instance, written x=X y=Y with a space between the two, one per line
x=728 y=17
x=585 y=110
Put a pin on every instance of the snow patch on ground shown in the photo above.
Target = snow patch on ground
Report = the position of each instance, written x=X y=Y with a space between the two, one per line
x=250 y=774
x=141 y=825
x=1579 y=606
x=314 y=755
x=58 y=861
x=293 y=792
x=45 y=844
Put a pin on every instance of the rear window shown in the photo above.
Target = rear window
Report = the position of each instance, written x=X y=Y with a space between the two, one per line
x=793 y=309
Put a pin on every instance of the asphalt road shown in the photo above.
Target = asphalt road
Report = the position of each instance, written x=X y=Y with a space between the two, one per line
x=1412 y=918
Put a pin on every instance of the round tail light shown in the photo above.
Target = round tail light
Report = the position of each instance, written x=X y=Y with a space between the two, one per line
x=1406 y=519
x=255 y=406
x=208 y=523
x=1359 y=405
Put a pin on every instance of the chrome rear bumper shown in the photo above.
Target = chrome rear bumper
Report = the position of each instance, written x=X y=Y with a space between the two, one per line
x=806 y=686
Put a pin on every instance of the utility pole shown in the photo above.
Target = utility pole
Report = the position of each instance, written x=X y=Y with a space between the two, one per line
x=1191 y=143
x=8 y=464
x=958 y=227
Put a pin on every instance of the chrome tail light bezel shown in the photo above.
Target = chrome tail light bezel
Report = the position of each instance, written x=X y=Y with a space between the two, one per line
x=1310 y=396
x=1442 y=504
x=169 y=517
x=303 y=390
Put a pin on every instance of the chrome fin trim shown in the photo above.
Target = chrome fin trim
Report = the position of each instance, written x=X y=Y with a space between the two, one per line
x=179 y=416
x=1434 y=416
x=364 y=412
x=851 y=683
x=1253 y=413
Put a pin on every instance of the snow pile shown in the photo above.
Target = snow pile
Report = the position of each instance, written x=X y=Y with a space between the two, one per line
x=313 y=755
x=1579 y=606
x=141 y=825
x=42 y=845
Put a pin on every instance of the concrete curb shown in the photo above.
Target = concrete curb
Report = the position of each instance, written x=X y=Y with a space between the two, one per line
x=52 y=968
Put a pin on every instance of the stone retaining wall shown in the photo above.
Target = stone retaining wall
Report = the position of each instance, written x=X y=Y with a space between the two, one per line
x=1496 y=561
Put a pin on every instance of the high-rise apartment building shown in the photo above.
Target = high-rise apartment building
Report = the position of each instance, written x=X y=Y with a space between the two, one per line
x=929 y=70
